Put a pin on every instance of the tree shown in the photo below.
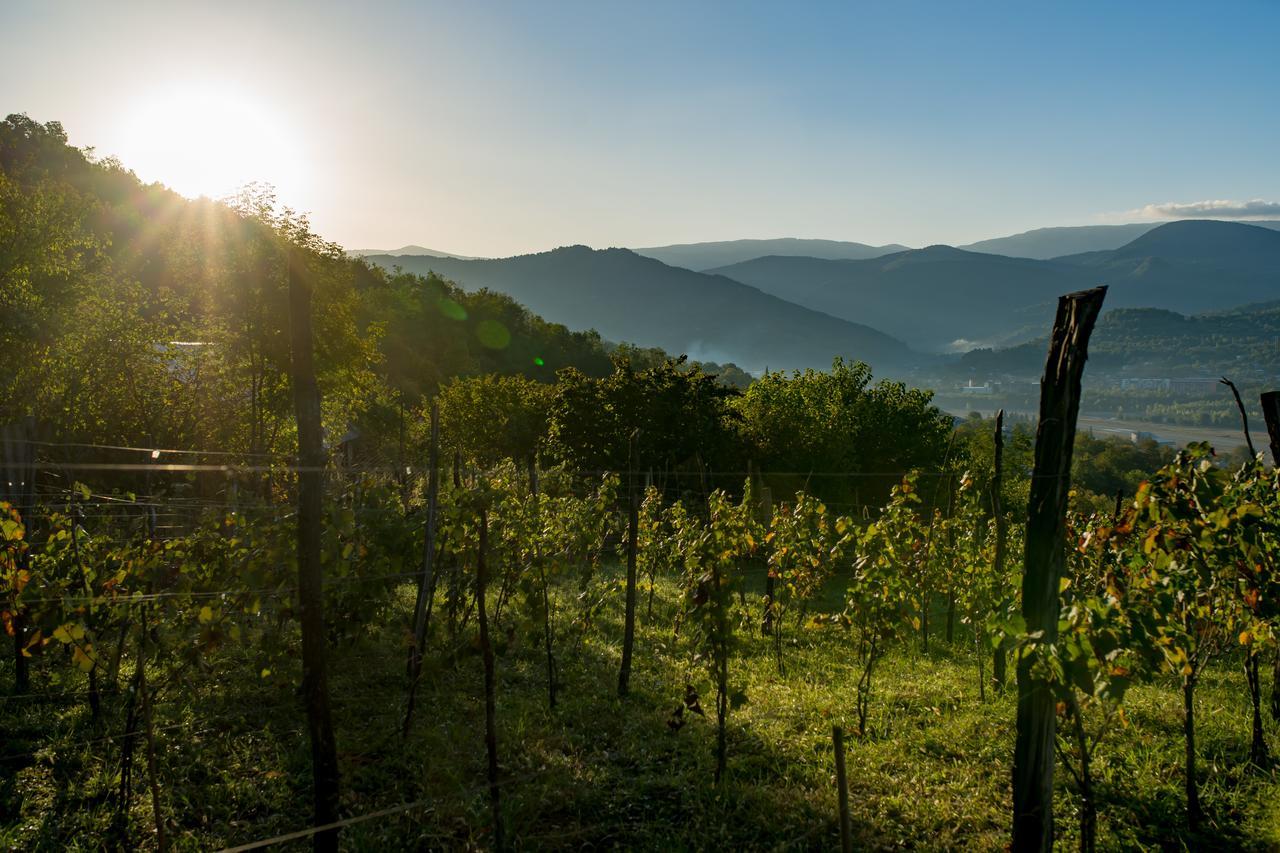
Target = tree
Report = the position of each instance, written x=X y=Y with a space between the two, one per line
x=681 y=414
x=493 y=417
x=837 y=423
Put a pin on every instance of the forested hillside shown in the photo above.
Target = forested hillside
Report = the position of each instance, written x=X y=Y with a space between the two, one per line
x=1154 y=342
x=629 y=297
x=133 y=315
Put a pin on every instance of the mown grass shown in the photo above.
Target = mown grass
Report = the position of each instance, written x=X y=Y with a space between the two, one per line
x=600 y=772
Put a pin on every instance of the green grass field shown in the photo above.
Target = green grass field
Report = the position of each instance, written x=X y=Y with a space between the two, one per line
x=233 y=756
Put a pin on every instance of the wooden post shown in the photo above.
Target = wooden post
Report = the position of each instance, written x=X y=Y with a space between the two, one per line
x=315 y=685
x=1271 y=413
x=770 y=582
x=842 y=791
x=998 y=661
x=548 y=633
x=633 y=522
x=490 y=711
x=951 y=549
x=1033 y=754
x=153 y=778
x=17 y=488
x=426 y=583
x=653 y=571
x=1244 y=418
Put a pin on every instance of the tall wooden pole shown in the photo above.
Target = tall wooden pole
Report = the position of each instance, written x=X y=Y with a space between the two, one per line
x=842 y=791
x=998 y=662
x=1244 y=418
x=17 y=488
x=1271 y=414
x=427 y=583
x=633 y=522
x=315 y=684
x=1033 y=753
x=490 y=682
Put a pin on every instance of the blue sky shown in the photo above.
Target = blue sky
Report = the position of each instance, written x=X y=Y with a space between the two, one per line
x=493 y=129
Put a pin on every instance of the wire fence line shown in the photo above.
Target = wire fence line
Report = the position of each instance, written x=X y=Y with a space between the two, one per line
x=464 y=791
x=166 y=506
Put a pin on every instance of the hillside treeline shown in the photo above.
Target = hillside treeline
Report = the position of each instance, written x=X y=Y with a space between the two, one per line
x=135 y=317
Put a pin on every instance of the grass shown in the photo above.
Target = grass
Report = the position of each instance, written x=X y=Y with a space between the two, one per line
x=603 y=772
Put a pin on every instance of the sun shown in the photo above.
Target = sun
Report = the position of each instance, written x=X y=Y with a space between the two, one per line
x=204 y=139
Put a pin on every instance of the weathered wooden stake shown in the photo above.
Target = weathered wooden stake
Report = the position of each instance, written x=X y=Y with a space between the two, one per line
x=315 y=684
x=490 y=680
x=1270 y=401
x=153 y=778
x=770 y=582
x=842 y=791
x=1033 y=754
x=998 y=660
x=17 y=488
x=426 y=583
x=548 y=615
x=1244 y=418
x=633 y=521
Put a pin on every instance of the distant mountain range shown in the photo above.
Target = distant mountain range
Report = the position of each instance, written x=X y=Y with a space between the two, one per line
x=941 y=298
x=788 y=311
x=405 y=250
x=627 y=297
x=935 y=298
x=704 y=256
x=1046 y=243
x=1039 y=244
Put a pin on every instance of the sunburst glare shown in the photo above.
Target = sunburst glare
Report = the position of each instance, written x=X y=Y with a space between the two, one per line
x=202 y=139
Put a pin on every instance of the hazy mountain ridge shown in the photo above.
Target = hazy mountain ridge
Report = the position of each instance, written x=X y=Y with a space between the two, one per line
x=627 y=297
x=1055 y=242
x=408 y=250
x=1046 y=243
x=933 y=297
x=701 y=257
x=928 y=297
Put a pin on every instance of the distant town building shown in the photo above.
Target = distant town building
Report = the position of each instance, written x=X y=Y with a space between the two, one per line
x=1192 y=385
x=985 y=390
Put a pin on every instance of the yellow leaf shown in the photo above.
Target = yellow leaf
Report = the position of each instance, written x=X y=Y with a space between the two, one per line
x=206 y=614
x=81 y=659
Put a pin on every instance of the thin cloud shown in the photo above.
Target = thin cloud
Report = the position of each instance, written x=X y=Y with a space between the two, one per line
x=1216 y=209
